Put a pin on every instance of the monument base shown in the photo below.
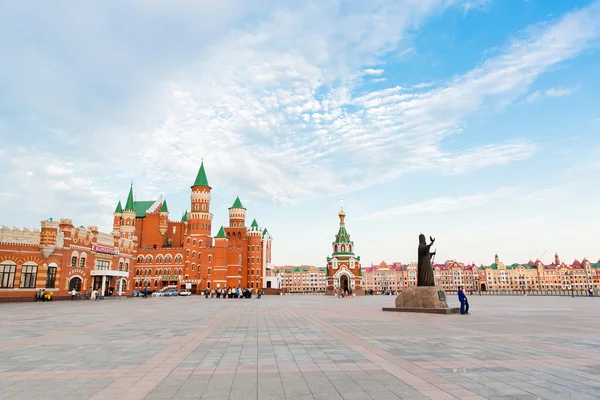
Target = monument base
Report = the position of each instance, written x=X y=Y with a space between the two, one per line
x=425 y=299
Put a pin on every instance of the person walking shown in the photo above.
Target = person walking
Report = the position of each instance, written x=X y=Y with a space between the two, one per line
x=464 y=303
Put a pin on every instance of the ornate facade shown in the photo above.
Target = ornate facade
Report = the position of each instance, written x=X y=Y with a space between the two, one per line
x=301 y=279
x=183 y=253
x=533 y=275
x=145 y=249
x=60 y=257
x=343 y=267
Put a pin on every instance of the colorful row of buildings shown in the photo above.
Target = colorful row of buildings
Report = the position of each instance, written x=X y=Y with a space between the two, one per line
x=384 y=277
x=146 y=249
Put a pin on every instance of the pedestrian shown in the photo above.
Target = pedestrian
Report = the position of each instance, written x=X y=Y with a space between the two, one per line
x=464 y=303
x=145 y=292
x=73 y=294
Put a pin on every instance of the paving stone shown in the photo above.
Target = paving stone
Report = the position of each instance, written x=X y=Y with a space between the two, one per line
x=300 y=347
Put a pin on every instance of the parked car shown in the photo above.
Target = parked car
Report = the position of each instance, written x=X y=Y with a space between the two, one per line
x=137 y=293
x=185 y=292
x=172 y=292
x=158 y=293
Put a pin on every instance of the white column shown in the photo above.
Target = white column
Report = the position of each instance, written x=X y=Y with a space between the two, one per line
x=103 y=284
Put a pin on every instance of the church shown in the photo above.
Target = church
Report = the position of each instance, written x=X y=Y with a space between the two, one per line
x=343 y=267
x=183 y=253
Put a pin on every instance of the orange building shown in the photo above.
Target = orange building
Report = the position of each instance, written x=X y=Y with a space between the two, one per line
x=60 y=257
x=343 y=267
x=184 y=254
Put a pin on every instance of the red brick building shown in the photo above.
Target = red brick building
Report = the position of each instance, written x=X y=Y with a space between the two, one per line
x=184 y=254
x=145 y=249
x=60 y=257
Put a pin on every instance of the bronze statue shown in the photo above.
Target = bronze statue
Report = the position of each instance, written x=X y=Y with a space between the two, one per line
x=425 y=271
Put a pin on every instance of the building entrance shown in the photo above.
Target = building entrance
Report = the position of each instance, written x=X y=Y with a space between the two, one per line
x=75 y=283
x=344 y=284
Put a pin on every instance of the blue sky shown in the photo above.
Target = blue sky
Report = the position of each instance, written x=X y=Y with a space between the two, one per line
x=474 y=121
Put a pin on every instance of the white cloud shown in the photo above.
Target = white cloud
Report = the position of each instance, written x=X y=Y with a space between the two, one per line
x=277 y=106
x=370 y=71
x=552 y=92
x=444 y=204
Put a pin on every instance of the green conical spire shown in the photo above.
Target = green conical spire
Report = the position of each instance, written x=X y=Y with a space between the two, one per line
x=254 y=224
x=237 y=203
x=265 y=232
x=164 y=207
x=221 y=234
x=184 y=217
x=129 y=204
x=201 y=179
x=119 y=209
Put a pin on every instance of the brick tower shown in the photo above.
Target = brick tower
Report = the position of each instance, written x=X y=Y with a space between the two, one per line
x=199 y=219
x=343 y=267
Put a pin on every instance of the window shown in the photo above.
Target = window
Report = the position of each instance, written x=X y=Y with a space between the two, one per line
x=148 y=259
x=73 y=261
x=187 y=264
x=7 y=275
x=194 y=242
x=102 y=265
x=209 y=258
x=51 y=278
x=82 y=262
x=28 y=276
x=203 y=207
x=193 y=254
x=140 y=259
x=195 y=207
x=252 y=247
x=126 y=266
x=188 y=240
x=174 y=231
x=208 y=271
x=187 y=253
x=200 y=243
x=121 y=266
x=168 y=259
x=252 y=260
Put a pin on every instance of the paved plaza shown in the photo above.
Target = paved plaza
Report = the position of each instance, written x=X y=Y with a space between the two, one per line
x=299 y=347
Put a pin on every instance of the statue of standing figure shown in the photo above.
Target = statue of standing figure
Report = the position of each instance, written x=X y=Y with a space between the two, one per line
x=425 y=271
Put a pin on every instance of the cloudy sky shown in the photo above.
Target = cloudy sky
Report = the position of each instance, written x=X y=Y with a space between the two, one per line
x=474 y=121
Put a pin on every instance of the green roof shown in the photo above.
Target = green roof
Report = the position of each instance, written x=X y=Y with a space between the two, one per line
x=184 y=217
x=342 y=236
x=129 y=205
x=265 y=232
x=164 y=207
x=119 y=209
x=237 y=203
x=140 y=207
x=254 y=226
x=221 y=234
x=201 y=179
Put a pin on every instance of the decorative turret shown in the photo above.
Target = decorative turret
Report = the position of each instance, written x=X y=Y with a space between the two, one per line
x=164 y=218
x=117 y=217
x=556 y=259
x=48 y=237
x=221 y=240
x=200 y=218
x=237 y=214
x=128 y=216
x=496 y=260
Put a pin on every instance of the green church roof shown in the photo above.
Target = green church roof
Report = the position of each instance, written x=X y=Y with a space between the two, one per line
x=164 y=207
x=201 y=179
x=237 y=203
x=221 y=234
x=119 y=209
x=129 y=203
x=140 y=207
x=184 y=217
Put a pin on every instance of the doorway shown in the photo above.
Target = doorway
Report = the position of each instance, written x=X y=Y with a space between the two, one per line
x=483 y=287
x=344 y=284
x=75 y=283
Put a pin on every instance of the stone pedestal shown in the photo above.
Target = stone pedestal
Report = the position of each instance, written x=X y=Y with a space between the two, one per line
x=425 y=299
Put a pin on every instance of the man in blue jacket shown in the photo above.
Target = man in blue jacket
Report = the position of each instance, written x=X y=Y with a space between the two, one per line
x=464 y=303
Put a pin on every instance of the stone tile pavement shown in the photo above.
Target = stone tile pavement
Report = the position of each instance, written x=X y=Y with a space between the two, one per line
x=299 y=347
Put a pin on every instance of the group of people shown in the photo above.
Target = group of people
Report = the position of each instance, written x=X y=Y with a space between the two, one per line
x=232 y=293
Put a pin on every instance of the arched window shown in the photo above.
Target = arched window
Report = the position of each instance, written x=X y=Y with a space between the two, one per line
x=343 y=247
x=252 y=272
x=140 y=259
x=208 y=271
x=194 y=242
x=252 y=247
x=200 y=243
x=187 y=253
x=252 y=260
x=178 y=258
x=187 y=264
x=188 y=240
x=193 y=254
x=187 y=276
x=193 y=266
x=208 y=284
x=239 y=235
x=210 y=258
x=28 y=275
x=149 y=260
x=196 y=207
x=74 y=257
x=127 y=266
x=252 y=284
x=155 y=283
x=159 y=259
x=82 y=259
x=168 y=259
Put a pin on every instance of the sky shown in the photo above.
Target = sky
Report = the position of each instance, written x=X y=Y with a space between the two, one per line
x=473 y=121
